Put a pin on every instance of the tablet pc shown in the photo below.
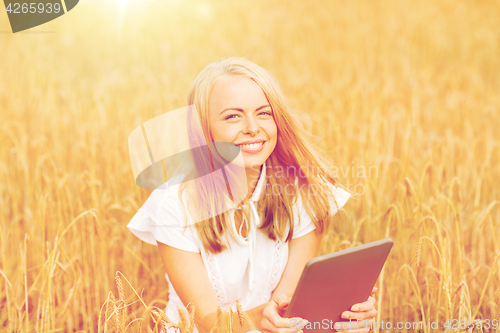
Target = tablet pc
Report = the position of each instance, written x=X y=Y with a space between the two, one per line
x=332 y=283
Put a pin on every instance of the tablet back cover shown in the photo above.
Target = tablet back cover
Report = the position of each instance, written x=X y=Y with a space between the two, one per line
x=332 y=283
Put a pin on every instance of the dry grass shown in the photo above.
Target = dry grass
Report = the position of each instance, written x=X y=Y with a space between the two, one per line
x=409 y=88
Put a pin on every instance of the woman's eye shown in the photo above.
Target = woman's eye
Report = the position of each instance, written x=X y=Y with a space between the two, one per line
x=231 y=116
x=266 y=113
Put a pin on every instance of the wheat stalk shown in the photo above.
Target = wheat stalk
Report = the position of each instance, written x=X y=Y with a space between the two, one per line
x=191 y=318
x=230 y=320
x=418 y=253
x=108 y=313
x=122 y=303
x=218 y=320
x=183 y=322
x=240 y=313
x=116 y=311
x=163 y=323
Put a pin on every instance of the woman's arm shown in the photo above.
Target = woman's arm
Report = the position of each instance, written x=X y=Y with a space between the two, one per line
x=186 y=271
x=301 y=250
x=189 y=277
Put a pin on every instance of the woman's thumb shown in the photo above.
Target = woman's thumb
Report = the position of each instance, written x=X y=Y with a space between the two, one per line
x=281 y=300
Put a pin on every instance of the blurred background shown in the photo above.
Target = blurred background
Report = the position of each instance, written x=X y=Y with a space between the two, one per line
x=408 y=91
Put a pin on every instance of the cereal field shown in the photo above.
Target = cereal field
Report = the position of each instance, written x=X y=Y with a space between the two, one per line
x=404 y=95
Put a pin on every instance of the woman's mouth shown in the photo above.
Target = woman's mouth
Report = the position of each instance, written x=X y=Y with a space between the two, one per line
x=252 y=148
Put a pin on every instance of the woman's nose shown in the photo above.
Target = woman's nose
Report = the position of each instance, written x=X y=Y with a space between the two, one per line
x=251 y=126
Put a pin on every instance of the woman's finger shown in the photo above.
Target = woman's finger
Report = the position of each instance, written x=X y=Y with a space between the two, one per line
x=359 y=315
x=374 y=290
x=271 y=315
x=355 y=330
x=282 y=301
x=357 y=326
x=292 y=325
x=272 y=321
x=365 y=306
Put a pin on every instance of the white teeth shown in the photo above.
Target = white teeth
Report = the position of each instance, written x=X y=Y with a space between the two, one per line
x=252 y=145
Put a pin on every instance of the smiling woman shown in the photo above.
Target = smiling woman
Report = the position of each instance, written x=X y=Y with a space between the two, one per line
x=250 y=256
x=240 y=113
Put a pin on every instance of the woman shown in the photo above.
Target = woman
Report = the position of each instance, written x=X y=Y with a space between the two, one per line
x=249 y=253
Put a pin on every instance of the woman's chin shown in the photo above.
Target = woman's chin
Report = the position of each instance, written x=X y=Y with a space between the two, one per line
x=253 y=165
x=249 y=163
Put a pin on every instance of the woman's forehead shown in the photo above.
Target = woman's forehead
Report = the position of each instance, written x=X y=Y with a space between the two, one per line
x=236 y=89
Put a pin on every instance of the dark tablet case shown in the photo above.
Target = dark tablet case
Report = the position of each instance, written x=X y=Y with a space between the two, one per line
x=333 y=283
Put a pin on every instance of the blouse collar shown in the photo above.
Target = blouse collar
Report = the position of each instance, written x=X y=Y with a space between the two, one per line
x=254 y=222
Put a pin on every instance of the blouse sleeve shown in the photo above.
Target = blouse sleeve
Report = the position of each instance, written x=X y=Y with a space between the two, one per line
x=162 y=219
x=306 y=225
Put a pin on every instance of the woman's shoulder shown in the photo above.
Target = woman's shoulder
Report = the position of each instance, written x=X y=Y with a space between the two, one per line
x=337 y=196
x=163 y=219
x=164 y=200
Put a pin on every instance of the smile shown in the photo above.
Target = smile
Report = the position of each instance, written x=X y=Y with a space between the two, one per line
x=252 y=145
x=252 y=148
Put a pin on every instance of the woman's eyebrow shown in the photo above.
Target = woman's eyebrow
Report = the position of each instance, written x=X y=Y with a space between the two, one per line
x=241 y=110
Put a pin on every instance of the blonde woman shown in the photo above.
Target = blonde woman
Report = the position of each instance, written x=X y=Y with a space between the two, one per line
x=247 y=257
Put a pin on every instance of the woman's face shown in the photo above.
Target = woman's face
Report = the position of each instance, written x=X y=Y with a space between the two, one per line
x=239 y=113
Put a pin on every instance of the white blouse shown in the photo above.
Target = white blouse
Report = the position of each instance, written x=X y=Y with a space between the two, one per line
x=248 y=271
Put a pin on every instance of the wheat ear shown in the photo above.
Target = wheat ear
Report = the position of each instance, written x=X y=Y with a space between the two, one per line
x=240 y=313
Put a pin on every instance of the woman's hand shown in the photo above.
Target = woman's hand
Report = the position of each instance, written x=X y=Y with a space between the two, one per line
x=272 y=317
x=364 y=311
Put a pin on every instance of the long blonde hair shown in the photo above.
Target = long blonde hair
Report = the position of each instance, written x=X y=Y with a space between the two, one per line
x=294 y=150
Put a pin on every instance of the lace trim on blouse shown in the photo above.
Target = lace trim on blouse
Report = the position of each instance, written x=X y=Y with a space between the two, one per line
x=274 y=278
x=215 y=278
